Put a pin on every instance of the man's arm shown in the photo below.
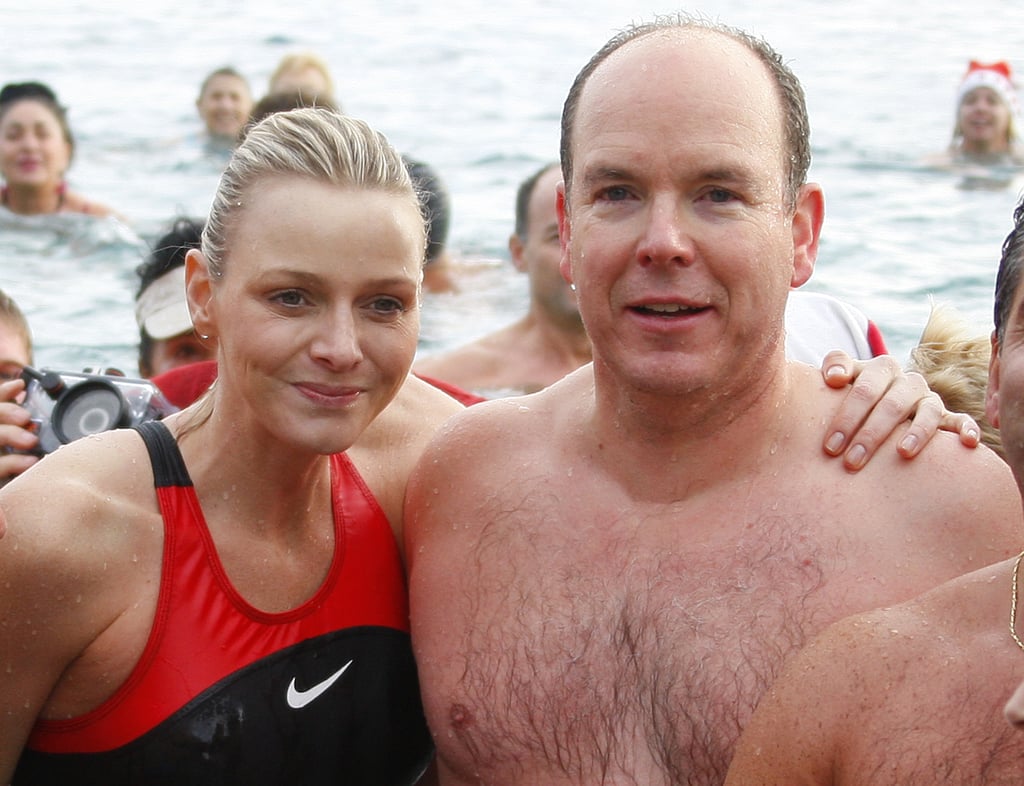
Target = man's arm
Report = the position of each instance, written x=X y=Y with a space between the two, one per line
x=882 y=397
x=795 y=734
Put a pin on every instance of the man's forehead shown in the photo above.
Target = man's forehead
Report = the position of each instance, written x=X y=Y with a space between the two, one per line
x=663 y=70
x=695 y=82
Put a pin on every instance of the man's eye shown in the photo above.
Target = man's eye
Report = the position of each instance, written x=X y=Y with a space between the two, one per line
x=289 y=297
x=719 y=195
x=615 y=193
x=387 y=305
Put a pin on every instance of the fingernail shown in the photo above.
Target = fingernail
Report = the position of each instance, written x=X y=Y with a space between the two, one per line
x=909 y=443
x=856 y=455
x=835 y=442
x=834 y=371
x=973 y=434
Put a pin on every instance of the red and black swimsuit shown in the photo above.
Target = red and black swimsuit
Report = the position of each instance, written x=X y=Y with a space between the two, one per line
x=224 y=693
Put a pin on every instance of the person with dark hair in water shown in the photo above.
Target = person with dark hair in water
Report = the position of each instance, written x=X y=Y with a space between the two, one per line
x=436 y=206
x=36 y=150
x=166 y=336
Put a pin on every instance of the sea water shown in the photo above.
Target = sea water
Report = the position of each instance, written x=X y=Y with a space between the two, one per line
x=476 y=90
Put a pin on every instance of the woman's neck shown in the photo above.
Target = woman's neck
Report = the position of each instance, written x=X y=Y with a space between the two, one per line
x=33 y=201
x=983 y=149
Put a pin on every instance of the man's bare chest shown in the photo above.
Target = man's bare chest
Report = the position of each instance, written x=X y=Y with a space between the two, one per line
x=621 y=647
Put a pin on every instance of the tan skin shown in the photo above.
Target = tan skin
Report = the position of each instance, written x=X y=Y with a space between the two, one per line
x=912 y=694
x=176 y=351
x=983 y=120
x=637 y=558
x=545 y=344
x=14 y=354
x=224 y=106
x=314 y=352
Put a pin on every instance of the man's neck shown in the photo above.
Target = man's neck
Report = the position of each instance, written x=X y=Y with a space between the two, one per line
x=642 y=432
x=567 y=341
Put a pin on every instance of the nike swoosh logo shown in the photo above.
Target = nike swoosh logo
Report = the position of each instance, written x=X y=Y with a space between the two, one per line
x=297 y=699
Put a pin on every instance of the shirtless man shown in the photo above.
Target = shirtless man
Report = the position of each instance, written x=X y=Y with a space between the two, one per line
x=549 y=341
x=607 y=575
x=912 y=694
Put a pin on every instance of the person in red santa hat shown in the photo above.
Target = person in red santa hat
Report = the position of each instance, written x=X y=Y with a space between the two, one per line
x=987 y=116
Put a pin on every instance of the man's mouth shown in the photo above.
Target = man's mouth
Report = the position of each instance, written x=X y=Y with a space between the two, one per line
x=668 y=309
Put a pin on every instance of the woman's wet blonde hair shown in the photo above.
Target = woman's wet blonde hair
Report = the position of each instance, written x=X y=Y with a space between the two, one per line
x=313 y=143
x=953 y=358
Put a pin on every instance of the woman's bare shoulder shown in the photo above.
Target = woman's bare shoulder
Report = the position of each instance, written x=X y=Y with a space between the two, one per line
x=80 y=488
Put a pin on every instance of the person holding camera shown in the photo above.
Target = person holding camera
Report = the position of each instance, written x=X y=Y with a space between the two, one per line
x=166 y=337
x=15 y=353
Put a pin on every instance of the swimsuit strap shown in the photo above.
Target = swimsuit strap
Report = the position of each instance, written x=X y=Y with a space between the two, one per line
x=168 y=465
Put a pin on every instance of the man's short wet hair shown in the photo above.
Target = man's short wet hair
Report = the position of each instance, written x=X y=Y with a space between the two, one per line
x=1008 y=278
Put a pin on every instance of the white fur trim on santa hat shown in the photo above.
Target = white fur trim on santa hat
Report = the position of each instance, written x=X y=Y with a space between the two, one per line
x=982 y=76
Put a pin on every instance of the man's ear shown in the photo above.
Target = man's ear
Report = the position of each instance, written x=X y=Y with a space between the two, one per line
x=199 y=291
x=992 y=391
x=808 y=217
x=515 y=250
x=564 y=233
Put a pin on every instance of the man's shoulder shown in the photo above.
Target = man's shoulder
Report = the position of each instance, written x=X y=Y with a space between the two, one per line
x=523 y=424
x=911 y=639
x=477 y=364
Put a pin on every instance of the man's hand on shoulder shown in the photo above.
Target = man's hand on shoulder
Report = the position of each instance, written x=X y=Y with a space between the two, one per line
x=882 y=397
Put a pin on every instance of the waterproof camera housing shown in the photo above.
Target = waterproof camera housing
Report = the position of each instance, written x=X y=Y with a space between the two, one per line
x=66 y=406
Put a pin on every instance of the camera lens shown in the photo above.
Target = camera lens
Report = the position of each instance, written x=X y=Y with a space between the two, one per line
x=89 y=408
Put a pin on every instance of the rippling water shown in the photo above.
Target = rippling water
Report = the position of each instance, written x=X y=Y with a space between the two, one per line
x=477 y=92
